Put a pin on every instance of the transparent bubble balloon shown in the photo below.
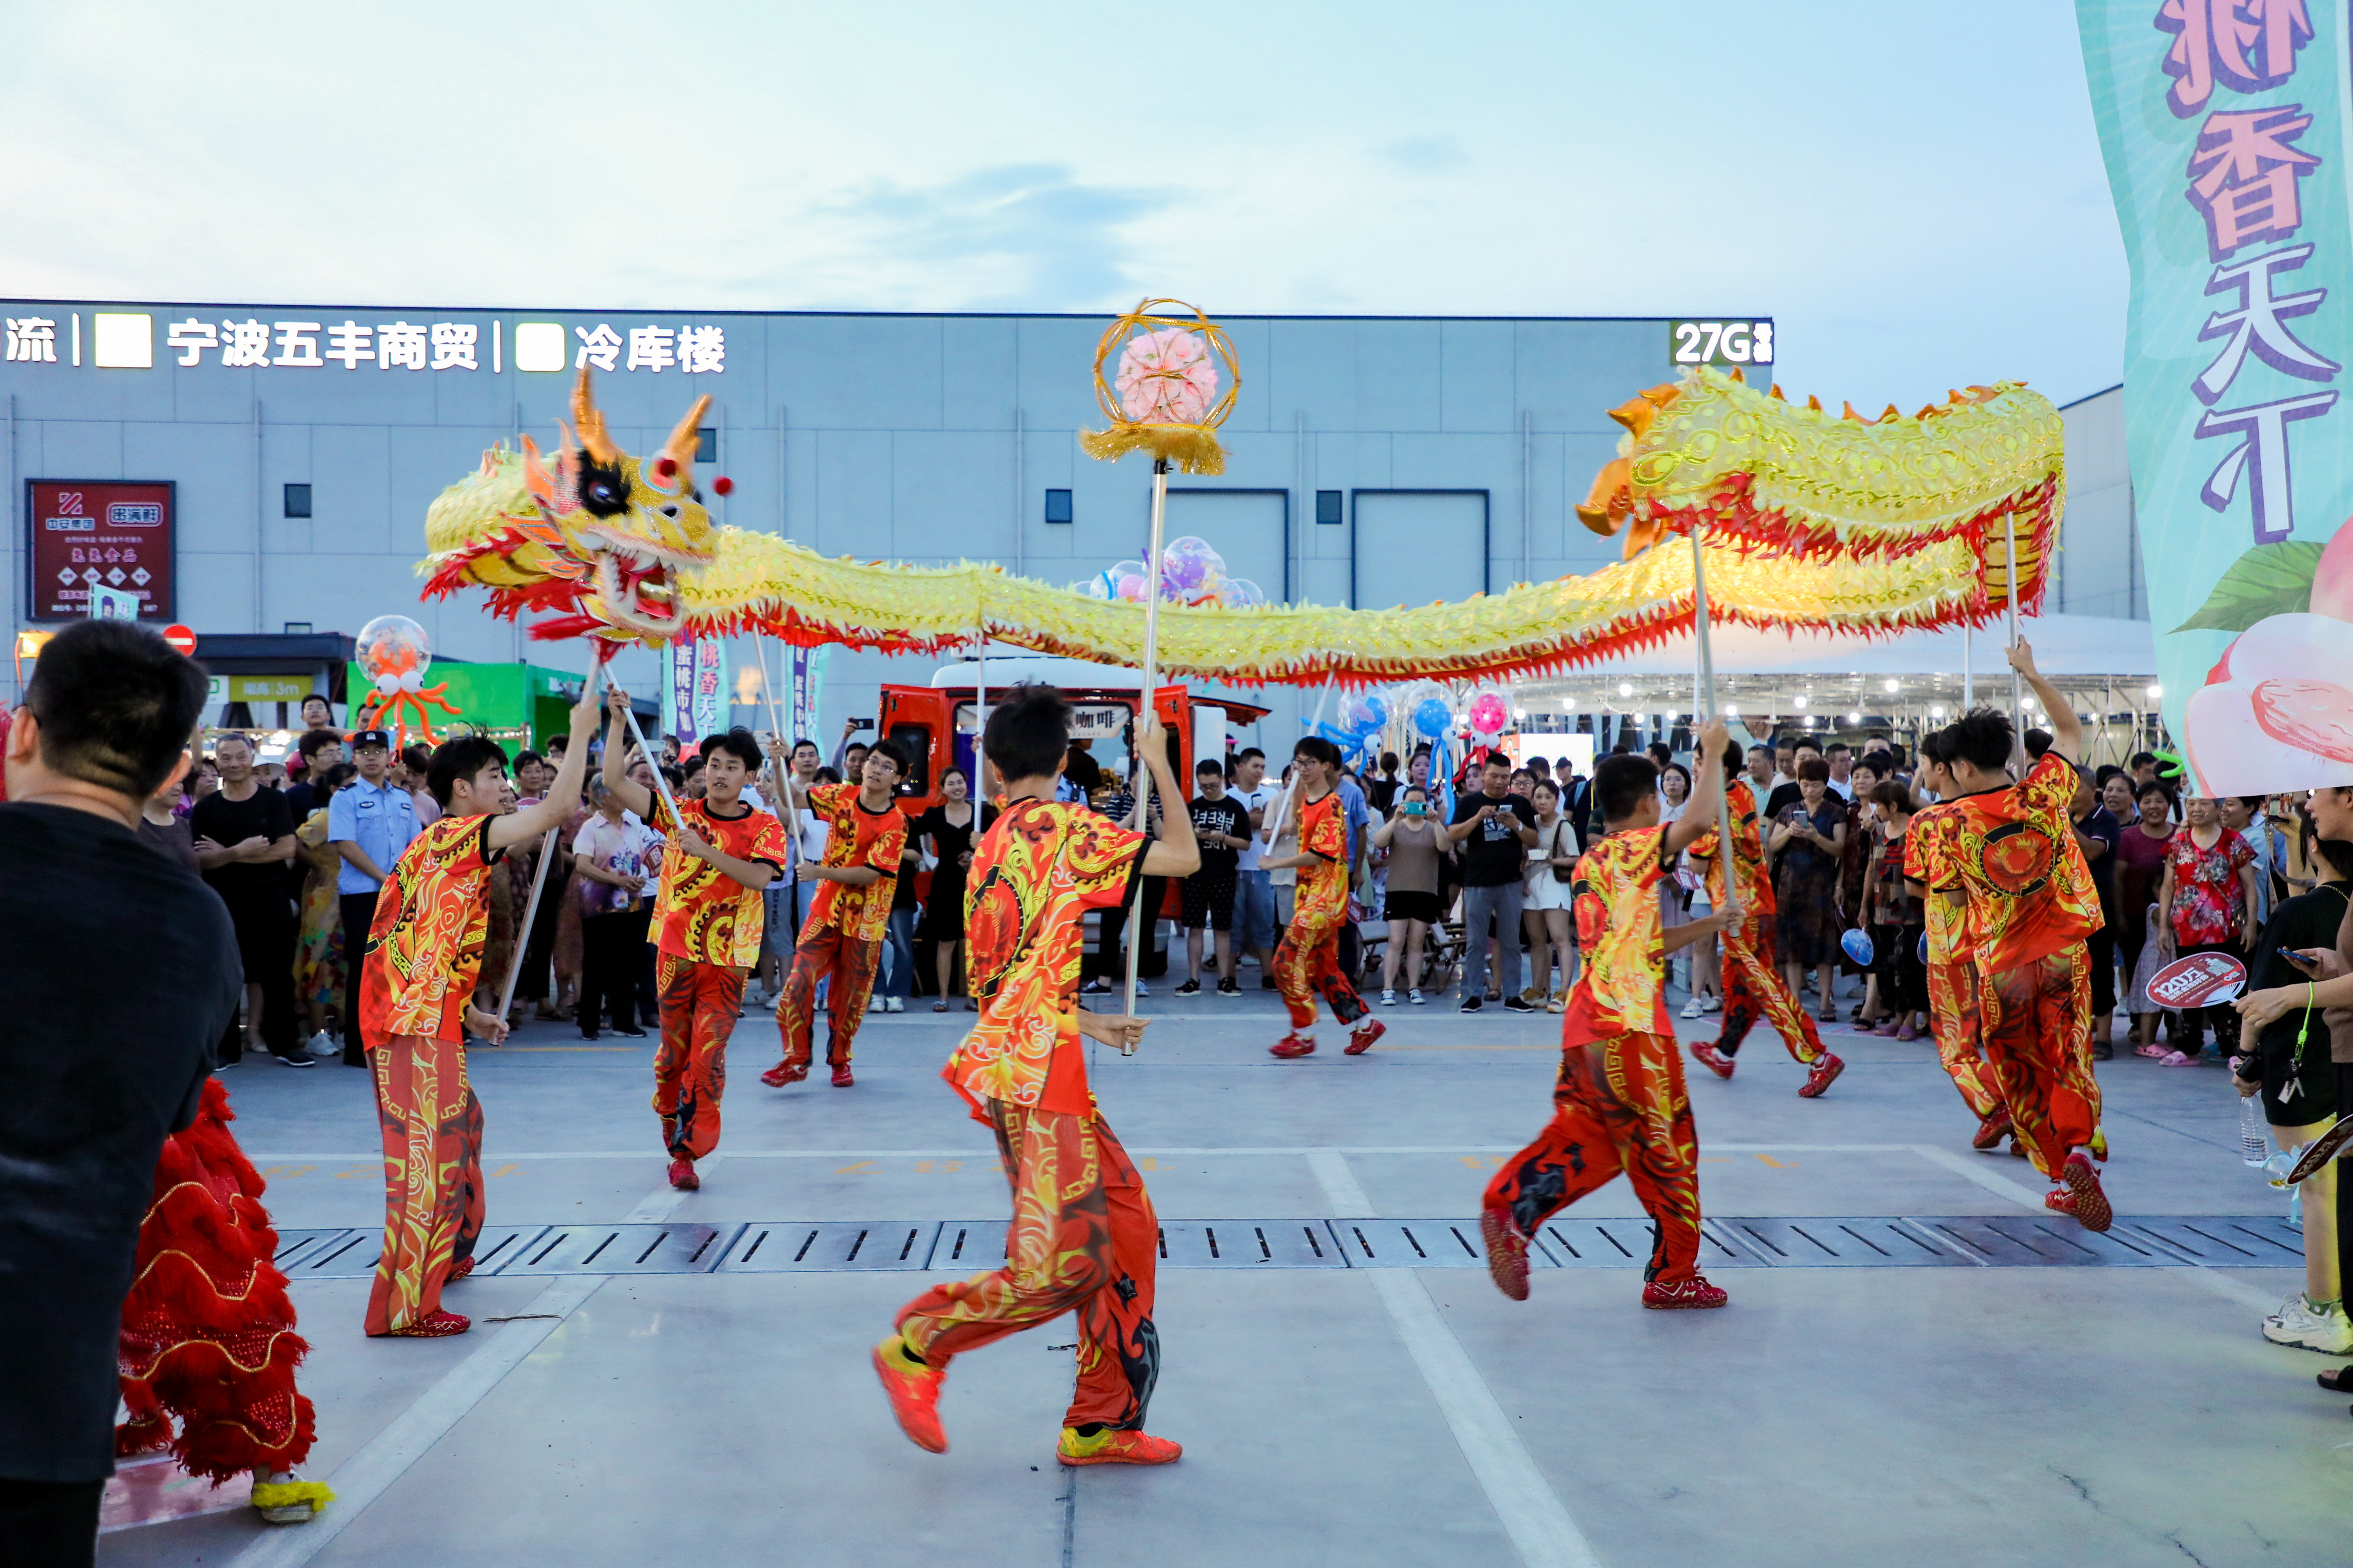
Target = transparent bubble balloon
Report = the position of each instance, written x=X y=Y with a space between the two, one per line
x=1241 y=593
x=393 y=647
x=1189 y=565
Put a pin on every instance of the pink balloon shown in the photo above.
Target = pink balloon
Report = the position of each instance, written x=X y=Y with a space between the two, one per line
x=1488 y=714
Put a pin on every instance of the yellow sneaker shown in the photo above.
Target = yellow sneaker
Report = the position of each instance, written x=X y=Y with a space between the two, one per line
x=1112 y=1447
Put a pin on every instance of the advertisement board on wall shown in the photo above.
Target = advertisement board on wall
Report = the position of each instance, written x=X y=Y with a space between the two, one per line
x=81 y=535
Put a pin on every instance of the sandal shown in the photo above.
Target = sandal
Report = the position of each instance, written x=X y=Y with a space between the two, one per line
x=2154 y=1052
x=2176 y=1059
x=2337 y=1379
x=940 y=1006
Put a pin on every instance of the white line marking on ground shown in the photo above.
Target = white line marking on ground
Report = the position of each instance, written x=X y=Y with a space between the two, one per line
x=970 y=1150
x=1973 y=1168
x=1532 y=1513
x=2223 y=1284
x=663 y=1202
x=1340 y=1185
x=368 y=1474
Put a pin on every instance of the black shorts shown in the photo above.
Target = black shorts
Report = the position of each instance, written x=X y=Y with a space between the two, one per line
x=1209 y=900
x=1402 y=904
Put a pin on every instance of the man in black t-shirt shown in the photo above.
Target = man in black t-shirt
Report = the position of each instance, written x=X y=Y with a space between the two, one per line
x=245 y=841
x=1221 y=827
x=1492 y=831
x=122 y=971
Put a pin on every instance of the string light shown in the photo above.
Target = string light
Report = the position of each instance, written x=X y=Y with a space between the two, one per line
x=1625 y=689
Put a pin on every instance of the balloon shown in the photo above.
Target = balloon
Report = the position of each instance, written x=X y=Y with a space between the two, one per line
x=1241 y=593
x=1924 y=947
x=1489 y=715
x=1856 y=942
x=1187 y=566
x=393 y=646
x=1432 y=719
x=1131 y=585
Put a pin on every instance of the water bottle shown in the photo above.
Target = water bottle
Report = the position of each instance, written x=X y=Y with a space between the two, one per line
x=2254 y=1141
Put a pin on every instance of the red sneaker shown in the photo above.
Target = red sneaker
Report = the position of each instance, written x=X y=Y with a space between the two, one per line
x=1114 y=1447
x=2083 y=1179
x=1714 y=1060
x=841 y=1079
x=2018 y=1148
x=784 y=1073
x=1825 y=1073
x=1361 y=1037
x=914 y=1393
x=459 y=1270
x=1991 y=1131
x=1682 y=1295
x=1507 y=1252
x=434 y=1326
x=2059 y=1199
x=682 y=1176
x=1293 y=1044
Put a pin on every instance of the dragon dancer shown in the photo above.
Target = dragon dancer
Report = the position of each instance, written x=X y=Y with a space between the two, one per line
x=1954 y=1015
x=718 y=856
x=1619 y=1103
x=1308 y=959
x=417 y=1000
x=842 y=939
x=1752 y=982
x=2007 y=857
x=1084 y=1237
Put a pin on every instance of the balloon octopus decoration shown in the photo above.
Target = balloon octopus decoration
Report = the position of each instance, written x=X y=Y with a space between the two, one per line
x=1162 y=395
x=1191 y=573
x=393 y=655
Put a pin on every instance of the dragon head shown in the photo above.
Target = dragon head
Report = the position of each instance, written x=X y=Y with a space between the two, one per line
x=598 y=536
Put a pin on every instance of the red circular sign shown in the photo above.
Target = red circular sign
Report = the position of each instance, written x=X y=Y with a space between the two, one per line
x=182 y=640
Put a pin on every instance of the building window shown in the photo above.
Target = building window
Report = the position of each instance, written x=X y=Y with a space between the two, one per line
x=1057 y=506
x=298 y=629
x=706 y=444
x=1327 y=508
x=298 y=501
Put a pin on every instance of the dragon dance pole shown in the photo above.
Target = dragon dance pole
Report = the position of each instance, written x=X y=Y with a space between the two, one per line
x=538 y=882
x=1723 y=847
x=1145 y=712
x=2016 y=695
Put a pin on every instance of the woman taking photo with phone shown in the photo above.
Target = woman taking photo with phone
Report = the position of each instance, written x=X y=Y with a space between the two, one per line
x=2297 y=1022
x=1414 y=846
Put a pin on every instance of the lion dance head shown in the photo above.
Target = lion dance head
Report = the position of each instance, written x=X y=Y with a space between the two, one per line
x=601 y=538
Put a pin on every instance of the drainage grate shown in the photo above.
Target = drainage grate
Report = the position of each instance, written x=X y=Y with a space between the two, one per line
x=1247 y=1244
x=831 y=1246
x=1626 y=1244
x=347 y=1254
x=294 y=1245
x=969 y=1246
x=2021 y=1241
x=1413 y=1244
x=2235 y=1241
x=622 y=1249
x=1841 y=1243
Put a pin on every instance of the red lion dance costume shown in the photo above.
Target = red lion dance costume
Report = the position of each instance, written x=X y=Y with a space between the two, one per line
x=207 y=1329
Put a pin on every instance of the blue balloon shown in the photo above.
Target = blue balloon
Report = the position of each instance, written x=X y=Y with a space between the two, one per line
x=1433 y=718
x=1856 y=942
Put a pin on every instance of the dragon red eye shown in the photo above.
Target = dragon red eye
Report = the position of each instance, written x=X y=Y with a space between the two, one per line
x=665 y=467
x=724 y=486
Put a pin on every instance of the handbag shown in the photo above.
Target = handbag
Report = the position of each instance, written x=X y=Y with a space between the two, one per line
x=1560 y=873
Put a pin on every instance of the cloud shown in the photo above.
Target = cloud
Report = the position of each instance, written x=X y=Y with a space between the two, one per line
x=1012 y=236
x=1424 y=154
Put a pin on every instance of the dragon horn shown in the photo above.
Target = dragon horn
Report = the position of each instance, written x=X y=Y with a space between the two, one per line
x=591 y=423
x=687 y=439
x=534 y=474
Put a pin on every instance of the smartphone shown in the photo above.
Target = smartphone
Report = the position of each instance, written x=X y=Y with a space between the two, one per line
x=2295 y=958
x=1415 y=808
x=864 y=723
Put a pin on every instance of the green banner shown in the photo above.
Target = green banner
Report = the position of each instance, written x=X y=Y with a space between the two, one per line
x=2224 y=128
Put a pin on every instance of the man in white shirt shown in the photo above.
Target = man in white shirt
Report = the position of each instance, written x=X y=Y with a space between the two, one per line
x=1842 y=760
x=1254 y=912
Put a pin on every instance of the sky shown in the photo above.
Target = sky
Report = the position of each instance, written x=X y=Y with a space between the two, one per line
x=1914 y=192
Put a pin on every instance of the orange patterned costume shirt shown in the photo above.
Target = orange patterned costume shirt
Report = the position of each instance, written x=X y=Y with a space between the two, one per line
x=1748 y=852
x=1322 y=893
x=705 y=915
x=2013 y=851
x=1616 y=900
x=425 y=946
x=857 y=837
x=1035 y=874
x=1927 y=849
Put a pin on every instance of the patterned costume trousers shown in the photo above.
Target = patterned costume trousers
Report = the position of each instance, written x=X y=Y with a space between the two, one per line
x=1619 y=1105
x=1083 y=1239
x=1307 y=961
x=1957 y=1019
x=2038 y=1035
x=822 y=952
x=432 y=1127
x=700 y=1005
x=1751 y=984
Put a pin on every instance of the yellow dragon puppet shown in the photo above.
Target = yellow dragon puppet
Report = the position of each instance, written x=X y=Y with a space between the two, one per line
x=1807 y=521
